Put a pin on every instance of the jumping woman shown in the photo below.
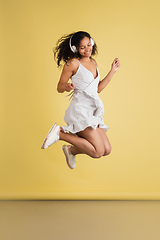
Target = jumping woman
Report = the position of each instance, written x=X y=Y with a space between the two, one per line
x=85 y=129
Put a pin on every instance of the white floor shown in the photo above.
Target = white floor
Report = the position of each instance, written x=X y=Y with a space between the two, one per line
x=79 y=220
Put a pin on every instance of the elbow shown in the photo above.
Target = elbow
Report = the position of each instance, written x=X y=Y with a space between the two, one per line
x=98 y=90
x=59 y=89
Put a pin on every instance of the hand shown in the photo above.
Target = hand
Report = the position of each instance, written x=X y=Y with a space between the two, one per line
x=115 y=65
x=69 y=87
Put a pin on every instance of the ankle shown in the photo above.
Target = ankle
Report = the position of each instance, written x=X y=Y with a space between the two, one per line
x=70 y=150
x=61 y=132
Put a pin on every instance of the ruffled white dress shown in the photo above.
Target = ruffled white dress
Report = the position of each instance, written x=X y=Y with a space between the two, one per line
x=86 y=108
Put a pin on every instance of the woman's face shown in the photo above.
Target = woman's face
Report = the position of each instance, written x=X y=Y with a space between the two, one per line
x=85 y=48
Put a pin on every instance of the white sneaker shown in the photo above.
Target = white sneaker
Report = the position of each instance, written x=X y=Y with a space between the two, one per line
x=52 y=136
x=70 y=159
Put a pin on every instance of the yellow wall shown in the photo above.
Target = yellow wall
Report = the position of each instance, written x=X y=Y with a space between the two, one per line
x=30 y=104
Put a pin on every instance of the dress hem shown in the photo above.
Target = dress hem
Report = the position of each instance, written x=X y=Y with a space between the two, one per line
x=70 y=128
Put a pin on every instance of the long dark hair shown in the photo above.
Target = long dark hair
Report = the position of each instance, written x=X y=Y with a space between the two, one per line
x=62 y=51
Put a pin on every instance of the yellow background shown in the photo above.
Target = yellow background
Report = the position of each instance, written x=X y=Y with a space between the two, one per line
x=30 y=104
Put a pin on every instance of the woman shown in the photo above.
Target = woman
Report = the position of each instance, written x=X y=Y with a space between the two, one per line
x=84 y=115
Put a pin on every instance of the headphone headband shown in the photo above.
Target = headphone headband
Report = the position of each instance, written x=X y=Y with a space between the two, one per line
x=73 y=48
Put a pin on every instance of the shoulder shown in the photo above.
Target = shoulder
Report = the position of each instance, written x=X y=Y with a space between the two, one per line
x=71 y=65
x=94 y=61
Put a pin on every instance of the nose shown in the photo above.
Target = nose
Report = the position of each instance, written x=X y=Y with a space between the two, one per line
x=88 y=48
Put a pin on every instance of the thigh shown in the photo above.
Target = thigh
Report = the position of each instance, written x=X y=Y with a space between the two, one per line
x=96 y=137
x=106 y=143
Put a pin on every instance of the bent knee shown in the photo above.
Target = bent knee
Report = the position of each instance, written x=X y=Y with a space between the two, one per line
x=98 y=153
x=107 y=150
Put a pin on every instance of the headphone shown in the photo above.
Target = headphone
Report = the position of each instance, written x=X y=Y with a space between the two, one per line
x=73 y=48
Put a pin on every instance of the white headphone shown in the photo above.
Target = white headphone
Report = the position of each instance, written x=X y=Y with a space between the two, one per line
x=73 y=48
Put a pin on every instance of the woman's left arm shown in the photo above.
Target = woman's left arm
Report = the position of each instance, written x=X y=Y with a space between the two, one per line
x=114 y=68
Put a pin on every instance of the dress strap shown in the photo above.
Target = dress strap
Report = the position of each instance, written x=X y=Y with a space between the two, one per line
x=93 y=61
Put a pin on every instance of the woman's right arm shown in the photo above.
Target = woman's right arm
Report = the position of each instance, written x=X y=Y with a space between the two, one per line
x=68 y=70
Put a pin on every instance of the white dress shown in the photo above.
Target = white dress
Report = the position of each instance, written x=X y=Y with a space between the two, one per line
x=86 y=108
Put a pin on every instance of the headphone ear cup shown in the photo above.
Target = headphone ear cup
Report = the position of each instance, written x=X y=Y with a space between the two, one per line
x=92 y=41
x=74 y=49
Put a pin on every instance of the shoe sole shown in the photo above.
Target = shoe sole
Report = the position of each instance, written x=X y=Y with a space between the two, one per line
x=65 y=153
x=52 y=128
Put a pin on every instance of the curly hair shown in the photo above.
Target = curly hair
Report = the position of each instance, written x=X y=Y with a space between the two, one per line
x=62 y=51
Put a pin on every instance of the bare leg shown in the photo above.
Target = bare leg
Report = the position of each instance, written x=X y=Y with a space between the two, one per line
x=91 y=142
x=81 y=145
x=107 y=145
